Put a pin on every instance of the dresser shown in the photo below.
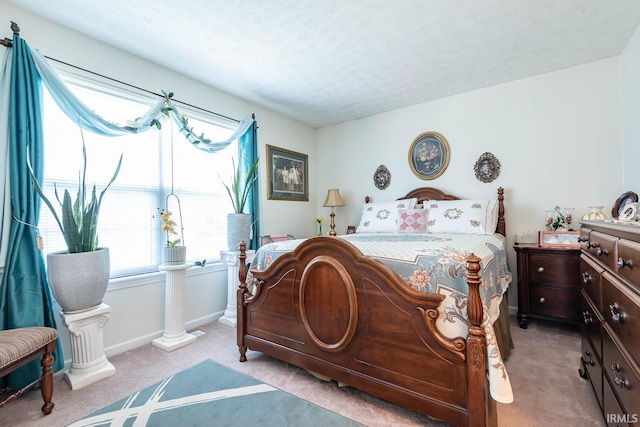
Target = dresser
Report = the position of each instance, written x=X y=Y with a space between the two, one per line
x=548 y=283
x=610 y=312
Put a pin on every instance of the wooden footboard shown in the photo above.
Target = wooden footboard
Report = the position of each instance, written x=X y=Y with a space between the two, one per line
x=327 y=308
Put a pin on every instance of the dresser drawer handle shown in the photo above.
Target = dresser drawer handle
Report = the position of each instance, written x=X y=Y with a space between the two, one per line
x=542 y=300
x=540 y=269
x=586 y=359
x=601 y=251
x=620 y=382
x=622 y=263
x=617 y=315
x=586 y=278
x=593 y=245
x=587 y=317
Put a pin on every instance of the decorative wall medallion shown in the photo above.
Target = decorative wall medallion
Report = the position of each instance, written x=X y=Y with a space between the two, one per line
x=487 y=168
x=382 y=177
x=429 y=155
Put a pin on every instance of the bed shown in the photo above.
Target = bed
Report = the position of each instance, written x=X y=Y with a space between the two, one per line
x=341 y=309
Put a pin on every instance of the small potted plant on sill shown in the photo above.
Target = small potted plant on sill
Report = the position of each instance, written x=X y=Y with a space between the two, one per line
x=239 y=223
x=79 y=276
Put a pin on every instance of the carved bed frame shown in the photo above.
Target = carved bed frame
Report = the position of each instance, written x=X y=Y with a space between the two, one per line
x=327 y=308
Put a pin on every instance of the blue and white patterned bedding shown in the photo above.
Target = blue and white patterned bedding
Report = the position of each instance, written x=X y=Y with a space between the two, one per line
x=437 y=263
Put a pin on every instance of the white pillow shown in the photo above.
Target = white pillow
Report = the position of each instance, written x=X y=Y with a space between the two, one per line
x=462 y=216
x=382 y=217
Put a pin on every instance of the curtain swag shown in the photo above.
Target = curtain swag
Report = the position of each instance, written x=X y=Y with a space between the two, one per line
x=78 y=112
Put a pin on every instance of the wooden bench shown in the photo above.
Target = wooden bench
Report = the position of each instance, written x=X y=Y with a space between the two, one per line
x=19 y=347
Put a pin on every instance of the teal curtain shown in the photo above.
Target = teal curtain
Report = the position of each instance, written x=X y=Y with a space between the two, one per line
x=25 y=299
x=248 y=153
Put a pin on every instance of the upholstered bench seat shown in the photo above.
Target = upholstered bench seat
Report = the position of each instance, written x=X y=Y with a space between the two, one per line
x=19 y=347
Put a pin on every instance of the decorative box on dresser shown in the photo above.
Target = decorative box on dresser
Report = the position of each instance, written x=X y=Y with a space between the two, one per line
x=548 y=283
x=610 y=311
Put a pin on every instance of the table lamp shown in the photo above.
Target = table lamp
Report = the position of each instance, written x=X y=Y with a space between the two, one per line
x=333 y=199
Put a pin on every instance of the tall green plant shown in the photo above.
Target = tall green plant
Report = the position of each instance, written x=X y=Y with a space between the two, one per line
x=239 y=189
x=79 y=224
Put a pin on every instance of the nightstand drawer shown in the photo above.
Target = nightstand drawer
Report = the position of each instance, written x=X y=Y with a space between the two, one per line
x=557 y=302
x=558 y=270
x=621 y=309
x=590 y=274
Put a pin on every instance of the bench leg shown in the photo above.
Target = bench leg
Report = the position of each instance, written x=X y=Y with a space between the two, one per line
x=46 y=385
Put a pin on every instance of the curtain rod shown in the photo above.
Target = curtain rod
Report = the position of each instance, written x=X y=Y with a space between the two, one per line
x=16 y=30
x=142 y=89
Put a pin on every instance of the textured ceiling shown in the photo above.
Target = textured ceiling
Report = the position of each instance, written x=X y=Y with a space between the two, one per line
x=328 y=61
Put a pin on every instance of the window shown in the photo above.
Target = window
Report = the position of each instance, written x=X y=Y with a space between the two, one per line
x=129 y=223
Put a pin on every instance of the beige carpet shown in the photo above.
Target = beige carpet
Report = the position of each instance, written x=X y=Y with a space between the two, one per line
x=547 y=388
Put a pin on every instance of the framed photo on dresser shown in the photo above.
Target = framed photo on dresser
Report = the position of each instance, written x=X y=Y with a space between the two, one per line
x=559 y=239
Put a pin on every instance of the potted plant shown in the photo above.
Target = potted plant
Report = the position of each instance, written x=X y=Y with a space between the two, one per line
x=174 y=254
x=79 y=276
x=239 y=223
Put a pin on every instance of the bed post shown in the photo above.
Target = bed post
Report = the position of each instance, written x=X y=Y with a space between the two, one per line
x=476 y=348
x=242 y=290
x=501 y=227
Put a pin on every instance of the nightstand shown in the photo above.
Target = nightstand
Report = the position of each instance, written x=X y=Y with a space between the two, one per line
x=548 y=283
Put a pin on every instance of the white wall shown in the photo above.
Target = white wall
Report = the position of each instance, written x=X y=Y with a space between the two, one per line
x=137 y=307
x=630 y=100
x=557 y=137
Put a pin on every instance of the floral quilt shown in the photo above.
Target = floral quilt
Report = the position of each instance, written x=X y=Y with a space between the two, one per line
x=436 y=263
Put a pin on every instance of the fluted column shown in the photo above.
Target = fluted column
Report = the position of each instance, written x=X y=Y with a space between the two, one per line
x=230 y=317
x=88 y=361
x=175 y=335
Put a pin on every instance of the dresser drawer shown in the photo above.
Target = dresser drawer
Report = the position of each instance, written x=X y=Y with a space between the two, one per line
x=591 y=364
x=603 y=248
x=590 y=273
x=591 y=320
x=621 y=309
x=628 y=261
x=555 y=301
x=613 y=413
x=555 y=268
x=623 y=374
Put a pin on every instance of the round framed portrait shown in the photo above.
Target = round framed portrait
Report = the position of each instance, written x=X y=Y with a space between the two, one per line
x=429 y=155
x=622 y=202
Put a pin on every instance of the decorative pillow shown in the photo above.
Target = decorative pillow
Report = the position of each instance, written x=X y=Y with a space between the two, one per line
x=382 y=217
x=462 y=216
x=412 y=221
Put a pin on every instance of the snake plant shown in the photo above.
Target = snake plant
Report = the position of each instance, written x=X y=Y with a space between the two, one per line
x=79 y=222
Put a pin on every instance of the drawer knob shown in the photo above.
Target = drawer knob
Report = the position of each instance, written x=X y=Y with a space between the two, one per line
x=622 y=263
x=587 y=359
x=542 y=300
x=601 y=251
x=617 y=315
x=587 y=317
x=586 y=278
x=592 y=245
x=620 y=382
x=540 y=269
x=582 y=239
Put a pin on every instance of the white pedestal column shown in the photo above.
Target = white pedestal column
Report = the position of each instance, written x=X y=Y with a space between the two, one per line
x=230 y=317
x=88 y=362
x=174 y=336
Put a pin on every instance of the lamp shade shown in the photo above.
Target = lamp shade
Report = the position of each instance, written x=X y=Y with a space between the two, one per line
x=333 y=198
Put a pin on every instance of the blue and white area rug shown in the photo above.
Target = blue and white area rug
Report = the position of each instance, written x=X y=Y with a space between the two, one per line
x=209 y=394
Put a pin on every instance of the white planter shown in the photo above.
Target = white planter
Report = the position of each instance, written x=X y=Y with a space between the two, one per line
x=238 y=229
x=175 y=255
x=79 y=281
